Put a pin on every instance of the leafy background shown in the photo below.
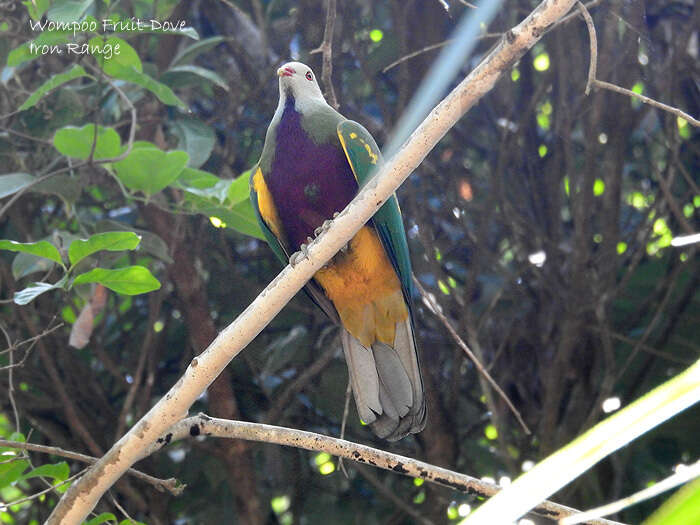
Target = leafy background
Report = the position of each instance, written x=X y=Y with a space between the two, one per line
x=543 y=224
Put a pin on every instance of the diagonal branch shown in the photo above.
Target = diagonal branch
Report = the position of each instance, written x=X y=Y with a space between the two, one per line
x=203 y=425
x=83 y=495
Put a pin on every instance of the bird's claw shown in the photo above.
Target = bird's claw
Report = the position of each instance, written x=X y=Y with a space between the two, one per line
x=303 y=253
x=323 y=228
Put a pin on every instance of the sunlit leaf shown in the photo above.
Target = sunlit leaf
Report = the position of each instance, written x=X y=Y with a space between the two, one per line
x=77 y=142
x=682 y=508
x=32 y=291
x=41 y=249
x=115 y=55
x=57 y=471
x=132 y=280
x=150 y=170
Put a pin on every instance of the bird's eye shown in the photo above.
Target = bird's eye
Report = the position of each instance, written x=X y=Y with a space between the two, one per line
x=309 y=76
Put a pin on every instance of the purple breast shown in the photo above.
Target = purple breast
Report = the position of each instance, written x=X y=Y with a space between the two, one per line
x=308 y=181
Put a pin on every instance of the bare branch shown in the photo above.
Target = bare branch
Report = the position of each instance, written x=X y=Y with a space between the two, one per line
x=172 y=485
x=460 y=342
x=326 y=48
x=593 y=39
x=593 y=81
x=222 y=428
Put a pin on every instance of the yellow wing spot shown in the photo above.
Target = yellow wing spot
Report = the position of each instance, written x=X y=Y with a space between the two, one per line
x=373 y=157
x=353 y=135
x=268 y=210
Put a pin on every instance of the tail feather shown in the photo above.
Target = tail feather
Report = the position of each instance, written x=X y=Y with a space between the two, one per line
x=387 y=383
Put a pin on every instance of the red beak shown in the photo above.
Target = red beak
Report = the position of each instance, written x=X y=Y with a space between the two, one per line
x=285 y=72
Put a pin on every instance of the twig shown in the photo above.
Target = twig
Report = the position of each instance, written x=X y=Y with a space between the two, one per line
x=593 y=81
x=223 y=428
x=446 y=322
x=682 y=476
x=83 y=496
x=42 y=492
x=593 y=40
x=172 y=485
x=387 y=493
x=326 y=48
x=10 y=385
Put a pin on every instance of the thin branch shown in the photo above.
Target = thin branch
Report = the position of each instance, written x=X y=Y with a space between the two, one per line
x=592 y=81
x=10 y=385
x=460 y=342
x=387 y=493
x=42 y=492
x=202 y=424
x=682 y=476
x=326 y=48
x=171 y=485
x=593 y=40
x=83 y=495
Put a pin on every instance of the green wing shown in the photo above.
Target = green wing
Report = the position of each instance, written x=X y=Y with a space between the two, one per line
x=364 y=157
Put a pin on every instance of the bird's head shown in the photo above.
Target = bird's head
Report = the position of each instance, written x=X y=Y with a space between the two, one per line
x=298 y=81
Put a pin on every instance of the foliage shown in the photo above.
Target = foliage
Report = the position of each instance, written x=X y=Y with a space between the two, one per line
x=545 y=224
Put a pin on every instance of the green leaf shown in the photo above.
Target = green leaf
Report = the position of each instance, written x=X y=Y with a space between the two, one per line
x=13 y=182
x=102 y=518
x=10 y=472
x=114 y=54
x=150 y=243
x=150 y=170
x=42 y=249
x=75 y=72
x=77 y=142
x=196 y=138
x=68 y=10
x=26 y=264
x=186 y=75
x=163 y=92
x=680 y=509
x=68 y=187
x=36 y=8
x=196 y=179
x=58 y=471
x=132 y=280
x=111 y=241
x=28 y=51
x=190 y=53
x=34 y=290
x=239 y=190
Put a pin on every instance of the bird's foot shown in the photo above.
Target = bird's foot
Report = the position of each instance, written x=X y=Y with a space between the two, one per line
x=302 y=254
x=323 y=228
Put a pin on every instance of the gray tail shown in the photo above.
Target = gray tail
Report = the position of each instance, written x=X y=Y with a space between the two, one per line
x=387 y=383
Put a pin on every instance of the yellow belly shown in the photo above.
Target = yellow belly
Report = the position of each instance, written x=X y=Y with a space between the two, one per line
x=365 y=289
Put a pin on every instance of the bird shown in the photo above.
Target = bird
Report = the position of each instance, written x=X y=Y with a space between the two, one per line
x=313 y=162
